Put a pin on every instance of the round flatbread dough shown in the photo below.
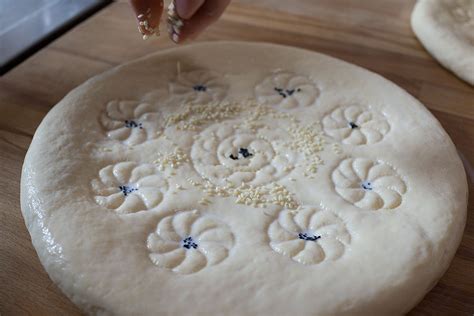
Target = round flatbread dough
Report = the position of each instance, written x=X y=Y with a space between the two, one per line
x=446 y=29
x=236 y=178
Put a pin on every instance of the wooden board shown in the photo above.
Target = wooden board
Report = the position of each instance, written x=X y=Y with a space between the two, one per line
x=371 y=33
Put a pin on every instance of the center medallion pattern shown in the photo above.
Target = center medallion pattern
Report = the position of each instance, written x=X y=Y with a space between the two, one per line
x=225 y=153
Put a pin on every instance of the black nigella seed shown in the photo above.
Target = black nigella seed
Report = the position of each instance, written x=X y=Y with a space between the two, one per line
x=126 y=190
x=280 y=92
x=244 y=152
x=200 y=88
x=189 y=243
x=132 y=124
x=305 y=236
x=353 y=125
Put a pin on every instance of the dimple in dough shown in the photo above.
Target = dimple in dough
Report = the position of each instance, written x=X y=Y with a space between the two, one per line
x=446 y=29
x=252 y=179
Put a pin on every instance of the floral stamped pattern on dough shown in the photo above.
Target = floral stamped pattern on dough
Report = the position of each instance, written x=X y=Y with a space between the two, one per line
x=287 y=91
x=131 y=122
x=225 y=152
x=354 y=125
x=367 y=184
x=309 y=235
x=198 y=86
x=187 y=242
x=127 y=187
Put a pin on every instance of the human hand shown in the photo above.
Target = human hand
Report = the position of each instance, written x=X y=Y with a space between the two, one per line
x=186 y=18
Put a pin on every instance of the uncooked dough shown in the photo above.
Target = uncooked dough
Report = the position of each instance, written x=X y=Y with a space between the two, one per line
x=446 y=29
x=233 y=178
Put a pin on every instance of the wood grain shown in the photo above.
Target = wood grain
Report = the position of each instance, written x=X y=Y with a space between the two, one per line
x=373 y=34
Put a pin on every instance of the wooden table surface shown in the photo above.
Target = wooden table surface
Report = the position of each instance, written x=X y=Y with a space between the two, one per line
x=371 y=33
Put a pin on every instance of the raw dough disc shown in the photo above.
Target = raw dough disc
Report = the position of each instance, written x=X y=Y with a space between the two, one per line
x=446 y=29
x=236 y=178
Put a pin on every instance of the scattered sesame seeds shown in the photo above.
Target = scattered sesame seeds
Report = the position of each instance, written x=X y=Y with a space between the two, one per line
x=196 y=115
x=173 y=160
x=308 y=141
x=294 y=212
x=250 y=195
x=314 y=164
x=204 y=201
x=281 y=196
x=337 y=148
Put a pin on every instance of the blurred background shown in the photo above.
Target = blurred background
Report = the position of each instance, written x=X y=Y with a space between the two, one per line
x=28 y=25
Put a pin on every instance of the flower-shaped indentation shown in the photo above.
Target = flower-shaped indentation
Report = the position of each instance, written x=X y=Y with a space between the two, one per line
x=355 y=125
x=127 y=187
x=198 y=86
x=463 y=11
x=367 y=184
x=287 y=90
x=309 y=235
x=187 y=242
x=227 y=152
x=131 y=122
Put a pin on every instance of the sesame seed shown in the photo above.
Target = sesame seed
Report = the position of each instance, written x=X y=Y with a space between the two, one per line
x=173 y=160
